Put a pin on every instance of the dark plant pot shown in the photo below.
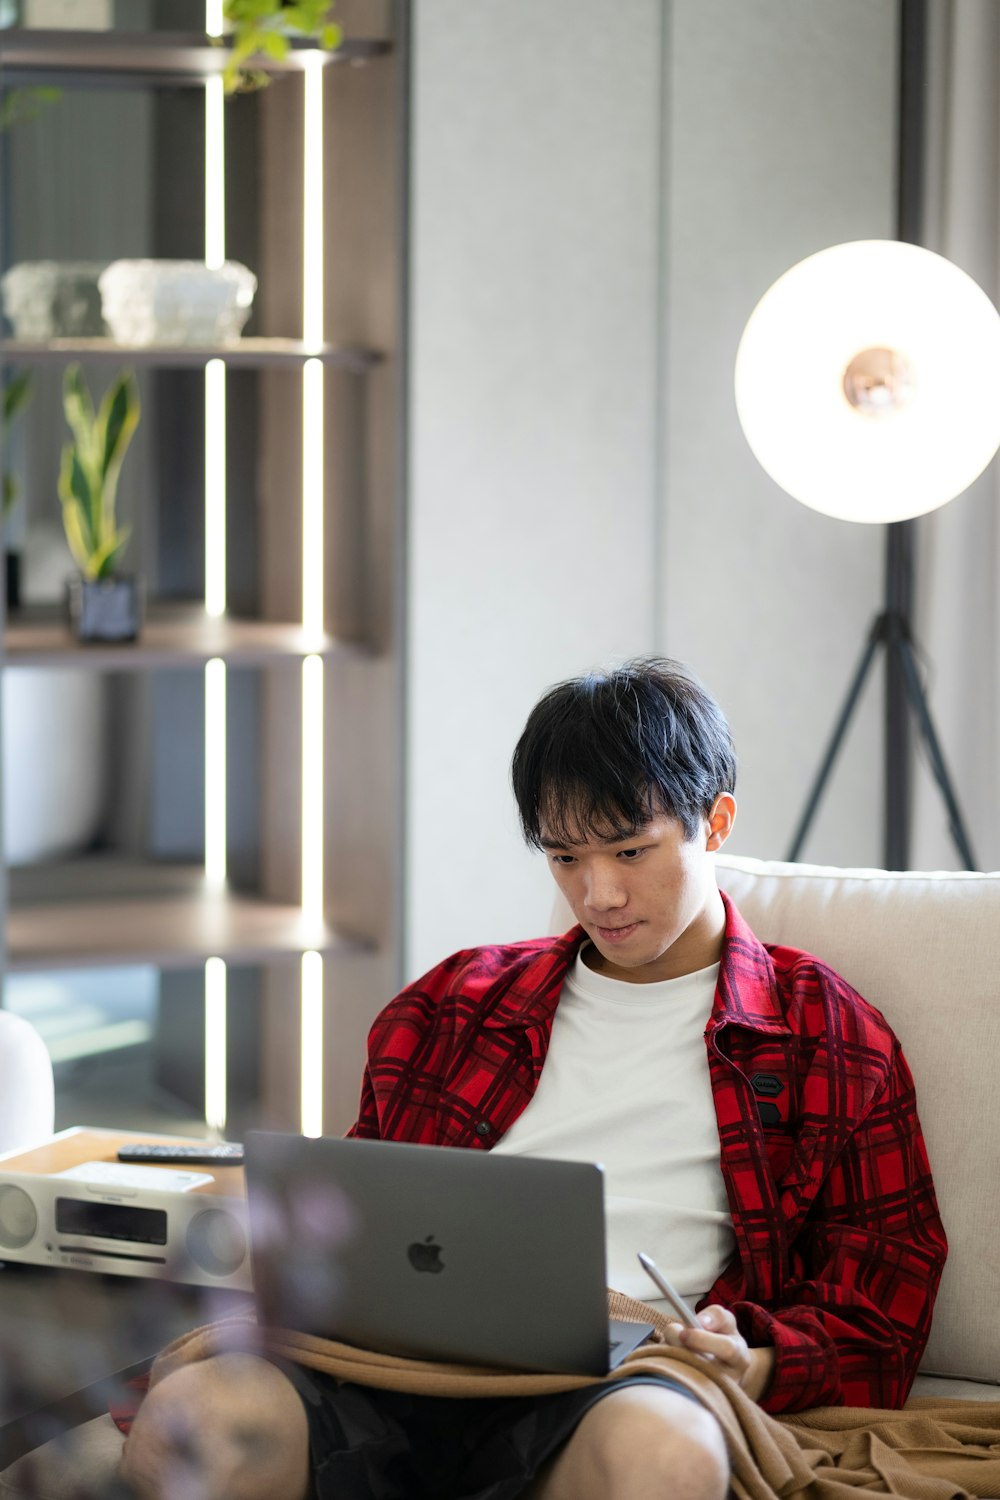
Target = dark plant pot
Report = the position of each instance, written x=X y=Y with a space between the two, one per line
x=13 y=572
x=106 y=609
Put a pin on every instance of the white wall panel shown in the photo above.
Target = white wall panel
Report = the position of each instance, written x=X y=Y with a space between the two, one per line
x=563 y=511
x=533 y=415
x=781 y=141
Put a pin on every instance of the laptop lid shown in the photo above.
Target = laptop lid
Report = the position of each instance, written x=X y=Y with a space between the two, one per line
x=432 y=1252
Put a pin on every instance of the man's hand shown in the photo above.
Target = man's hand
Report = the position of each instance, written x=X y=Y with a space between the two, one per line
x=720 y=1339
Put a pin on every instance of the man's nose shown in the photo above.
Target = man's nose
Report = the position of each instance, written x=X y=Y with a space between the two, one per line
x=603 y=890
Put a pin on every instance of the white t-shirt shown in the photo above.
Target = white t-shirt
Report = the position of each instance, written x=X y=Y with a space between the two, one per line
x=626 y=1084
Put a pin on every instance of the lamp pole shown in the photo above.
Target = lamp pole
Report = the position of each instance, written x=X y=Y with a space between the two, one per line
x=880 y=465
x=900 y=538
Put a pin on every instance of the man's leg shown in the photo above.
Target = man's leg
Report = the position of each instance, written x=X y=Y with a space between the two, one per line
x=231 y=1426
x=640 y=1443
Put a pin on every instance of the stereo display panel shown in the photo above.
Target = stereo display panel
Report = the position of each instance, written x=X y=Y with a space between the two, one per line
x=111 y=1221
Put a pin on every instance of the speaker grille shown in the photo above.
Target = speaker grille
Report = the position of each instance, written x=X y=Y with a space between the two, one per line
x=217 y=1242
x=18 y=1218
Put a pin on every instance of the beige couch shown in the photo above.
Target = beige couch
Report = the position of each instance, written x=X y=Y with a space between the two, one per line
x=926 y=950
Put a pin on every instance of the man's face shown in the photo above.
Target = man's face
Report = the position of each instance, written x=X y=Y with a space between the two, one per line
x=649 y=903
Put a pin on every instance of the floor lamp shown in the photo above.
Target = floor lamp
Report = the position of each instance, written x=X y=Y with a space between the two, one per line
x=868 y=387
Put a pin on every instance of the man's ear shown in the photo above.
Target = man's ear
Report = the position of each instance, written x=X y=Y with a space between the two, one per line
x=721 y=820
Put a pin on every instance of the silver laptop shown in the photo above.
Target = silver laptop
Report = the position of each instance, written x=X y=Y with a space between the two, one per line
x=434 y=1253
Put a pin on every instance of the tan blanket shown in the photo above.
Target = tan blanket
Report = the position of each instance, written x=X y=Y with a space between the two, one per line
x=933 y=1450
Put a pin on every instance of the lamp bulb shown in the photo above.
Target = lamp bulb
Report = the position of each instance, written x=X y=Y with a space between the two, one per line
x=895 y=404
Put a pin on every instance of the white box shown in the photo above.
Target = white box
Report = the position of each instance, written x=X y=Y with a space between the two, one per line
x=69 y=15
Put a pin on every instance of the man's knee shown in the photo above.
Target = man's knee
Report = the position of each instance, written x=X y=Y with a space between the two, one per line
x=693 y=1461
x=229 y=1425
x=647 y=1441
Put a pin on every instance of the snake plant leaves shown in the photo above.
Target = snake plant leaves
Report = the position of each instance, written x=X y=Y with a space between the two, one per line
x=88 y=475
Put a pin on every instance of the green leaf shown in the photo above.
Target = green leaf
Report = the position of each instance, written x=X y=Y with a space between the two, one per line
x=18 y=106
x=235 y=76
x=77 y=541
x=249 y=10
x=102 y=562
x=74 y=481
x=75 y=508
x=257 y=28
x=88 y=475
x=274 y=44
x=16 y=395
x=79 y=409
x=244 y=80
x=297 y=17
x=76 y=491
x=117 y=420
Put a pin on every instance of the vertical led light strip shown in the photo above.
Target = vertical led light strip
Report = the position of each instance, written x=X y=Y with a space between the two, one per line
x=215 y=488
x=215 y=592
x=312 y=787
x=215 y=370
x=215 y=1043
x=313 y=613
x=312 y=1045
x=312 y=334
x=215 y=775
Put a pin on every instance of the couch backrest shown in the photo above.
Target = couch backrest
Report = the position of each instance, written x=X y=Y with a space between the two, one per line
x=924 y=949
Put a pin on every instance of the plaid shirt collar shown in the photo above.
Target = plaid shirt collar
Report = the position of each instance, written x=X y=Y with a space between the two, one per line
x=746 y=993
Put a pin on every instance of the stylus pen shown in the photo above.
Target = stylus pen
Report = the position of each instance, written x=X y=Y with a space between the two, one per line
x=674 y=1297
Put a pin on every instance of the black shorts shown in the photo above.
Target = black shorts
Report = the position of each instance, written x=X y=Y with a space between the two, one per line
x=367 y=1444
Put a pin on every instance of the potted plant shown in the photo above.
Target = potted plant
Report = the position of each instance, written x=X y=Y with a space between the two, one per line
x=16 y=394
x=104 y=605
x=262 y=27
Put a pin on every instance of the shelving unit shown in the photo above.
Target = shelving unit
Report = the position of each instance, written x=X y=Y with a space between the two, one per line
x=248 y=354
x=174 y=924
x=177 y=635
x=168 y=932
x=164 y=58
x=106 y=909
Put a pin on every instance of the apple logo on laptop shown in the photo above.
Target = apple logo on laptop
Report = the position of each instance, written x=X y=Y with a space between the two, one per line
x=425 y=1256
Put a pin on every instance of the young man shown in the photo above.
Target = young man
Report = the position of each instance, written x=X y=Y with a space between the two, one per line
x=755 y=1118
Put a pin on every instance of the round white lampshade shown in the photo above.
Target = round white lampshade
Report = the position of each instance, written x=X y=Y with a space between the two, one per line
x=884 y=465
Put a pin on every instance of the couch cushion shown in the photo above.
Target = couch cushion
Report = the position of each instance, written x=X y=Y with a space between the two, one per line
x=942 y=1387
x=924 y=949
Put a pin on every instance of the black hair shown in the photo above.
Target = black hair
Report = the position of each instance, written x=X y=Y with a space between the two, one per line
x=603 y=754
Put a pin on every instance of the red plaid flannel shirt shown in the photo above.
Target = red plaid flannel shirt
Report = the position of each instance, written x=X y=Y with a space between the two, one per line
x=839 y=1242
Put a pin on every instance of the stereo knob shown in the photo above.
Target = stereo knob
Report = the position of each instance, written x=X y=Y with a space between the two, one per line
x=217 y=1242
x=18 y=1218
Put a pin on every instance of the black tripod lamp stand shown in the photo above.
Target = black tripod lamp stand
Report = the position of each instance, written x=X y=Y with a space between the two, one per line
x=868 y=387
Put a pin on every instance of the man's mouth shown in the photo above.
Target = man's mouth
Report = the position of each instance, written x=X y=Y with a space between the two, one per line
x=616 y=934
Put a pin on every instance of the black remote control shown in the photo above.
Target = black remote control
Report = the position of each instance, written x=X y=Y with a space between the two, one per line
x=198 y=1154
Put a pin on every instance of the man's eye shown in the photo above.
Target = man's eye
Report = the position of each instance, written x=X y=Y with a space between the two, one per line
x=562 y=859
x=630 y=853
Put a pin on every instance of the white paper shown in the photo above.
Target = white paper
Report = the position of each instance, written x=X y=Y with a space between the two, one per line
x=122 y=1174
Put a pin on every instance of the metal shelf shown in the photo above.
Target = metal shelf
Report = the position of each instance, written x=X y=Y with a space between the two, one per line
x=172 y=636
x=165 y=58
x=249 y=353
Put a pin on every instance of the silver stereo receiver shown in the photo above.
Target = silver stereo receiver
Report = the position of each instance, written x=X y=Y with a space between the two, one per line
x=70 y=1202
